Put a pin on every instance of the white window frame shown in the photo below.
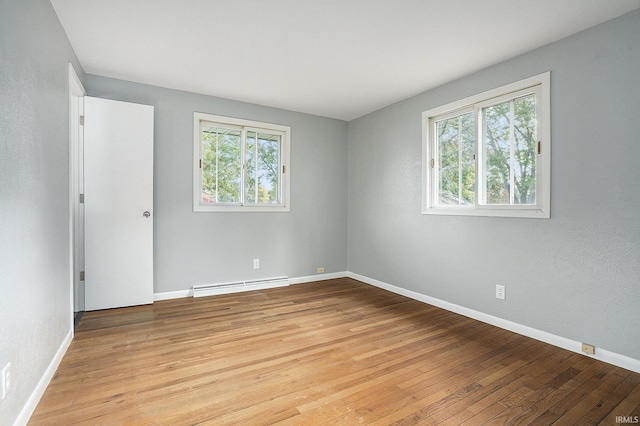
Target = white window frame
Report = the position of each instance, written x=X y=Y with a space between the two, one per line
x=200 y=119
x=540 y=84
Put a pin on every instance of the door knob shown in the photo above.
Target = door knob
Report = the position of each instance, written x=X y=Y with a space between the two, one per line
x=146 y=214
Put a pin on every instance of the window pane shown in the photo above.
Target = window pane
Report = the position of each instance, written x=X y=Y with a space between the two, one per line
x=221 y=165
x=456 y=160
x=497 y=153
x=263 y=168
x=510 y=155
x=525 y=141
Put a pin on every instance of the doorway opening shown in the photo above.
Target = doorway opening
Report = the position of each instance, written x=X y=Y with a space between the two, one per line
x=76 y=196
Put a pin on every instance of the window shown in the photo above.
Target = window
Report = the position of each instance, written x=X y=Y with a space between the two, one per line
x=240 y=165
x=489 y=154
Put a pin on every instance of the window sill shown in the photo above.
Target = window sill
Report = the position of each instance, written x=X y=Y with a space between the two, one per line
x=527 y=213
x=241 y=209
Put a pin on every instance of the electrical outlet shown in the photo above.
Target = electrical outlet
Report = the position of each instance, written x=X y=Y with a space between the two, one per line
x=256 y=263
x=588 y=349
x=320 y=270
x=5 y=379
x=500 y=291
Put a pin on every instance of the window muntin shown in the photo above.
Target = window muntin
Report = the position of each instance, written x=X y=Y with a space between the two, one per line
x=240 y=165
x=488 y=155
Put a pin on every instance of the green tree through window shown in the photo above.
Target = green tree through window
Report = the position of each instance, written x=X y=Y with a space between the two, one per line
x=510 y=139
x=221 y=165
x=263 y=161
x=456 y=159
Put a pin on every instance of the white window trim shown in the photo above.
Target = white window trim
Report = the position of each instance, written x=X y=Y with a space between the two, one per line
x=543 y=179
x=285 y=131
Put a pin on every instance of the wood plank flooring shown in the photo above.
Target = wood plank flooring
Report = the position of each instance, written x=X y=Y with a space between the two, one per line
x=334 y=352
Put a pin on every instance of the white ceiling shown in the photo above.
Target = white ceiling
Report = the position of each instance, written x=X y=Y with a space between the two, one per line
x=334 y=58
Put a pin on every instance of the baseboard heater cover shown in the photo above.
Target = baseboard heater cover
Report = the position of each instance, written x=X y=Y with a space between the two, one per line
x=201 y=290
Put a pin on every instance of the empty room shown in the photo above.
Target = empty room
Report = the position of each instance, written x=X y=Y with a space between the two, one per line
x=259 y=212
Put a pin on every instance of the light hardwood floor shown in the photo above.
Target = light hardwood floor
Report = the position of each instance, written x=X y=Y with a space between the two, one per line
x=336 y=352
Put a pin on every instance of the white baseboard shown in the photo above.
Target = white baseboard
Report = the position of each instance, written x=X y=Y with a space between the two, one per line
x=317 y=277
x=36 y=395
x=173 y=295
x=295 y=280
x=562 y=342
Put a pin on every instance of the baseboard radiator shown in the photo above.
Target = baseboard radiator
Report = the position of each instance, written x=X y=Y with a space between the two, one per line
x=201 y=290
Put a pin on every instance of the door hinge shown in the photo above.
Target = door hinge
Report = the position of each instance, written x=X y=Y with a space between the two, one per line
x=81 y=275
x=81 y=198
x=284 y=169
x=433 y=163
x=82 y=120
x=539 y=147
x=200 y=163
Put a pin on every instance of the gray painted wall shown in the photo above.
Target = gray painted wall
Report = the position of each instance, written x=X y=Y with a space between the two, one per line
x=34 y=194
x=577 y=274
x=204 y=248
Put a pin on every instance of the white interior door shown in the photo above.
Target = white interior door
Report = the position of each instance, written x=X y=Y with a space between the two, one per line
x=118 y=200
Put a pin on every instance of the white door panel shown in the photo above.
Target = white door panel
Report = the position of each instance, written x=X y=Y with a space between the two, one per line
x=118 y=167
